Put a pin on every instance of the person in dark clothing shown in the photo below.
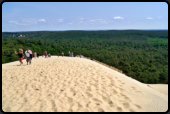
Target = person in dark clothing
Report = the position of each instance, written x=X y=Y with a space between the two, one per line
x=37 y=55
x=20 y=54
x=30 y=56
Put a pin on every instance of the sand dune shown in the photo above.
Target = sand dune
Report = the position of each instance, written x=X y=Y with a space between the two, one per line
x=62 y=84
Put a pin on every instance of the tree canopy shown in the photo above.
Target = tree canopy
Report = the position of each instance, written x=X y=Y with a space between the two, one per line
x=142 y=55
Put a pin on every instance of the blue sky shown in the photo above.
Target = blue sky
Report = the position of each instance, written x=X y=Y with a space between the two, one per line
x=38 y=16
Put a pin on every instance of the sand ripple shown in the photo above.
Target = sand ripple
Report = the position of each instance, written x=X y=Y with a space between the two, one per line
x=59 y=84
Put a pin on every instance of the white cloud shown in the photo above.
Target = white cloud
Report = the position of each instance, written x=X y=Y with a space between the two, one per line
x=21 y=23
x=159 y=16
x=110 y=21
x=91 y=21
x=43 y=20
x=118 y=17
x=81 y=18
x=70 y=23
x=16 y=22
x=31 y=21
x=61 y=20
x=149 y=18
x=24 y=22
x=99 y=19
x=12 y=21
x=102 y=21
x=80 y=21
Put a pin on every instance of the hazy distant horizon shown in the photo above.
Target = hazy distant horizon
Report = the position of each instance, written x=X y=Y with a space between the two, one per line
x=91 y=30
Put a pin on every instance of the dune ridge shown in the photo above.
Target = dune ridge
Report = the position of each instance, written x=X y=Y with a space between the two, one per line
x=71 y=84
x=108 y=66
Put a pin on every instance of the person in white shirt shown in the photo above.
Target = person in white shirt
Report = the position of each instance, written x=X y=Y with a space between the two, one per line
x=27 y=53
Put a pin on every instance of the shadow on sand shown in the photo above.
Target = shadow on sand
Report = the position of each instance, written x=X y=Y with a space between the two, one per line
x=19 y=65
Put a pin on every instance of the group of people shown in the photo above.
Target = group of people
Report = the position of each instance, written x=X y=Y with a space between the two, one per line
x=46 y=55
x=36 y=55
x=70 y=54
x=62 y=54
x=28 y=55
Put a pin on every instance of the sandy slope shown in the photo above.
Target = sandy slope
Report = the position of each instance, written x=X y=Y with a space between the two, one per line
x=160 y=87
x=76 y=84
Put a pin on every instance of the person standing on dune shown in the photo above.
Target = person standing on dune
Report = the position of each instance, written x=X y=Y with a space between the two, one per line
x=35 y=54
x=49 y=55
x=30 y=56
x=69 y=53
x=45 y=52
x=62 y=54
x=27 y=53
x=20 y=54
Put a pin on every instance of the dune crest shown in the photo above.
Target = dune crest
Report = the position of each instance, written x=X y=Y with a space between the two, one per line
x=62 y=84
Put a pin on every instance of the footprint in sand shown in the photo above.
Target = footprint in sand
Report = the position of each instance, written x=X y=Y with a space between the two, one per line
x=49 y=96
x=97 y=100
x=42 y=105
x=137 y=106
x=87 y=105
x=114 y=91
x=110 y=85
x=119 y=109
x=133 y=88
x=8 y=109
x=131 y=110
x=72 y=90
x=110 y=103
x=79 y=106
x=104 y=98
x=125 y=97
x=53 y=104
x=74 y=93
x=136 y=90
x=70 y=100
x=126 y=105
x=100 y=110
x=121 y=89
x=88 y=88
x=25 y=99
x=89 y=95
